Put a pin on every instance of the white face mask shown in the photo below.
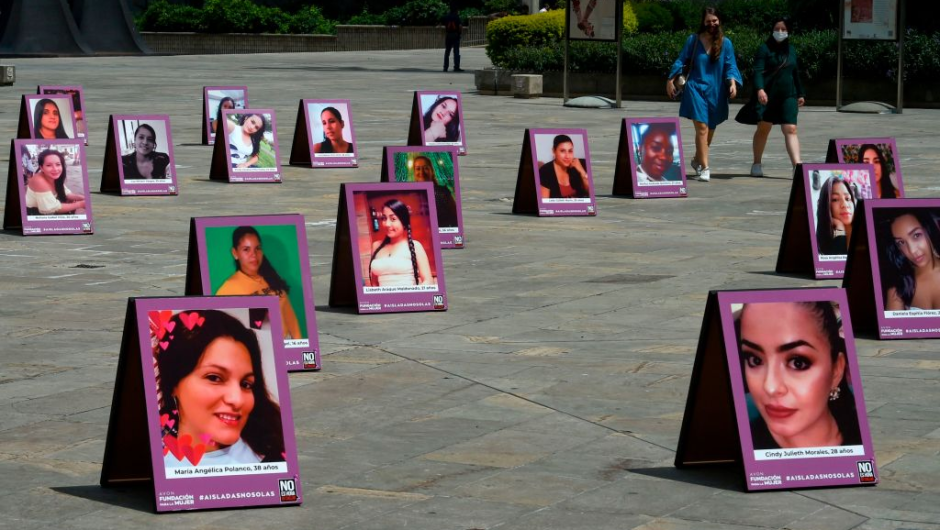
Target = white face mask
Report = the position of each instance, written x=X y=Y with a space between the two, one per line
x=780 y=36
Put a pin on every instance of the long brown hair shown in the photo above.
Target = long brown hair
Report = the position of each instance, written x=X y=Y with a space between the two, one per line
x=719 y=39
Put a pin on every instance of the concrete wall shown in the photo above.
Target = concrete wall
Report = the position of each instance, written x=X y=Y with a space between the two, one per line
x=347 y=38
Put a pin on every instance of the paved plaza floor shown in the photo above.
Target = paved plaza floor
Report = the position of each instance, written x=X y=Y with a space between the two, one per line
x=548 y=396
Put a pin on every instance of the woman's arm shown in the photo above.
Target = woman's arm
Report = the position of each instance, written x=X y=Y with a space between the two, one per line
x=760 y=63
x=252 y=160
x=69 y=207
x=797 y=82
x=731 y=67
x=685 y=57
x=424 y=266
x=576 y=165
x=291 y=325
x=894 y=301
x=229 y=125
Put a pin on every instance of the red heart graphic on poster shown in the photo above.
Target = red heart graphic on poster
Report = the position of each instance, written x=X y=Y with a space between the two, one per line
x=170 y=326
x=170 y=423
x=164 y=345
x=165 y=450
x=172 y=444
x=163 y=419
x=194 y=454
x=258 y=324
x=160 y=319
x=191 y=320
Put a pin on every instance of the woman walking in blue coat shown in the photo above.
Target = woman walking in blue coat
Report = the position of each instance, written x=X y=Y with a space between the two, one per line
x=713 y=78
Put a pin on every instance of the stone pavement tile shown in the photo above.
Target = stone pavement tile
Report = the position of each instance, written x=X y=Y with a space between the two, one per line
x=445 y=513
x=773 y=509
x=47 y=436
x=882 y=524
x=41 y=506
x=553 y=518
x=419 y=476
x=528 y=488
x=674 y=523
x=637 y=494
x=509 y=448
x=504 y=407
x=70 y=402
x=828 y=518
x=918 y=472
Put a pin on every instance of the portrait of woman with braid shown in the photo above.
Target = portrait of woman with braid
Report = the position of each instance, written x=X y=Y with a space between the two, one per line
x=398 y=260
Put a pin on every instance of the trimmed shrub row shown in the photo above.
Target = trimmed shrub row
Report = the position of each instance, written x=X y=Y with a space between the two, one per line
x=655 y=53
x=233 y=16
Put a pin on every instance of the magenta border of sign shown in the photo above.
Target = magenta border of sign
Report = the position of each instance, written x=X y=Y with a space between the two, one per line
x=448 y=240
x=56 y=226
x=292 y=357
x=241 y=176
x=237 y=484
x=146 y=187
x=563 y=209
x=680 y=189
x=462 y=148
x=394 y=302
x=315 y=159
x=791 y=469
x=210 y=136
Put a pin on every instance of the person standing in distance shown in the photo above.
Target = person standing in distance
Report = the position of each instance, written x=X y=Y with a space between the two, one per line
x=452 y=30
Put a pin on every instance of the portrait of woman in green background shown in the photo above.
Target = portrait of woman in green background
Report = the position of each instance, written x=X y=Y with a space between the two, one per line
x=259 y=260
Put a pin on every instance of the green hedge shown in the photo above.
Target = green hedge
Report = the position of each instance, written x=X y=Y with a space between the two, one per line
x=233 y=16
x=542 y=30
x=654 y=54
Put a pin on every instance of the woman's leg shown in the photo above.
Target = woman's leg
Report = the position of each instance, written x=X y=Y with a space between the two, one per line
x=703 y=138
x=760 y=139
x=792 y=141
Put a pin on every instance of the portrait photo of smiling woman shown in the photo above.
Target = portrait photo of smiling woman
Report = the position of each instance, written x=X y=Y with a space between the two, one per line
x=141 y=158
x=657 y=153
x=796 y=375
x=52 y=118
x=53 y=180
x=563 y=168
x=835 y=195
x=329 y=123
x=217 y=398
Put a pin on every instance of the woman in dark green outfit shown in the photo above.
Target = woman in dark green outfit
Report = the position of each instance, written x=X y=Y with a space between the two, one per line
x=779 y=94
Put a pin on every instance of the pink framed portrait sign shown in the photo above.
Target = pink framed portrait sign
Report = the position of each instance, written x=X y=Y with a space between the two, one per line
x=218 y=430
x=649 y=159
x=215 y=100
x=139 y=156
x=889 y=275
x=881 y=153
x=78 y=105
x=47 y=117
x=260 y=255
x=47 y=191
x=324 y=135
x=437 y=165
x=555 y=176
x=437 y=119
x=776 y=386
x=820 y=223
x=248 y=150
x=386 y=255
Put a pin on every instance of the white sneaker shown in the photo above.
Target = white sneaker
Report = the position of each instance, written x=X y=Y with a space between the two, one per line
x=696 y=166
x=705 y=175
x=756 y=170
